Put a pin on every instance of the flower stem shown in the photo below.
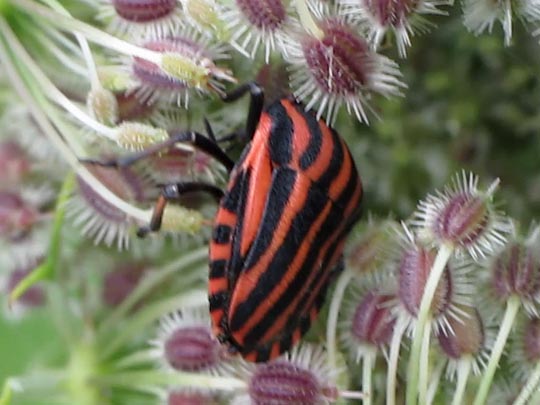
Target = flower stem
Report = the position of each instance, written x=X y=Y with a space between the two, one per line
x=83 y=43
x=529 y=387
x=47 y=269
x=395 y=345
x=96 y=35
x=43 y=113
x=435 y=380
x=140 y=358
x=424 y=364
x=333 y=312
x=368 y=361
x=435 y=274
x=7 y=391
x=463 y=371
x=150 y=314
x=138 y=380
x=512 y=308
x=306 y=19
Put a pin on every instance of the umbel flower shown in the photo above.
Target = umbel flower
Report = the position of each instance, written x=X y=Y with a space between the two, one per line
x=481 y=15
x=403 y=17
x=132 y=326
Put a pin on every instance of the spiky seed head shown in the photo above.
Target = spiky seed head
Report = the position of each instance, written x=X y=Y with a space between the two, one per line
x=192 y=349
x=103 y=105
x=515 y=272
x=17 y=216
x=136 y=136
x=253 y=23
x=372 y=320
x=14 y=163
x=464 y=217
x=187 y=64
x=142 y=18
x=338 y=67
x=120 y=282
x=466 y=337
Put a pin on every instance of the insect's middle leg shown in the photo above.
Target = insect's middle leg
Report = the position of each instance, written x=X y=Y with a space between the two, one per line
x=173 y=192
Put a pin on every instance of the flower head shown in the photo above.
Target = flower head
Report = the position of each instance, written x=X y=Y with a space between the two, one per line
x=481 y=15
x=120 y=282
x=185 y=343
x=412 y=271
x=368 y=324
x=256 y=22
x=467 y=337
x=463 y=216
x=525 y=347
x=514 y=272
x=142 y=18
x=187 y=65
x=402 y=17
x=300 y=377
x=335 y=67
x=97 y=217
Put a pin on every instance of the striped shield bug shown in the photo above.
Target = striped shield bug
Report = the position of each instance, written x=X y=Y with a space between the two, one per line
x=279 y=231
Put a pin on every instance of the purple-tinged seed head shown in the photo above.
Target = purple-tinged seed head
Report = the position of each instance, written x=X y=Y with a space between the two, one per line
x=414 y=268
x=16 y=216
x=131 y=107
x=120 y=282
x=372 y=320
x=267 y=15
x=190 y=398
x=340 y=62
x=281 y=382
x=531 y=340
x=467 y=334
x=142 y=11
x=151 y=75
x=368 y=253
x=124 y=183
x=273 y=77
x=463 y=219
x=192 y=348
x=390 y=12
x=515 y=271
x=14 y=164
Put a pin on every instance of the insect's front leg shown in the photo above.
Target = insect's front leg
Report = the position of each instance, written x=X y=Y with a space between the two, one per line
x=256 y=104
x=199 y=141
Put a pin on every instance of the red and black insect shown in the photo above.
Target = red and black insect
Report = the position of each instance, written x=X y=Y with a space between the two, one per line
x=279 y=231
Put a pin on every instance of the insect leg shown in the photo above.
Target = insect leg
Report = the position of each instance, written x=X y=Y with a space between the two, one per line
x=197 y=140
x=172 y=192
x=255 y=105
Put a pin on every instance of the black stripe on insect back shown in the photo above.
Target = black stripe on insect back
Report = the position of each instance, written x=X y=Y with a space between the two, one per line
x=284 y=256
x=283 y=180
x=335 y=164
x=218 y=268
x=232 y=196
x=221 y=234
x=315 y=138
x=281 y=134
x=236 y=261
x=218 y=300
x=326 y=230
